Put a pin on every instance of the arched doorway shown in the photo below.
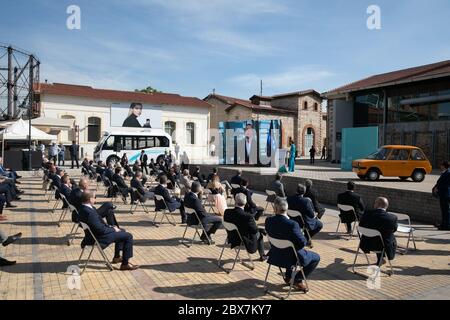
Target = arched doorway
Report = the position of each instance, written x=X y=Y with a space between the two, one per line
x=308 y=141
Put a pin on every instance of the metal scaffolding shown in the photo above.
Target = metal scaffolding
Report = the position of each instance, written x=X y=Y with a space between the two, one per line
x=19 y=76
x=19 y=73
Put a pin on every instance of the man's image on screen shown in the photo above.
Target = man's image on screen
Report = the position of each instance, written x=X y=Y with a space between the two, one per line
x=134 y=113
x=248 y=142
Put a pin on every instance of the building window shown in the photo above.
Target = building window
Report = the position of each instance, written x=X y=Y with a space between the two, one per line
x=305 y=105
x=94 y=126
x=316 y=107
x=190 y=132
x=170 y=127
x=71 y=136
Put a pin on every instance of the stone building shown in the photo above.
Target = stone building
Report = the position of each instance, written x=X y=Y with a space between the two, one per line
x=410 y=106
x=300 y=113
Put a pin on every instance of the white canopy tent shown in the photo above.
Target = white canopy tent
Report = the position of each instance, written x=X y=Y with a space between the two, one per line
x=19 y=131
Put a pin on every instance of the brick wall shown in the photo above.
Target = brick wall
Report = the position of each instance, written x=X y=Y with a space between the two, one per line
x=420 y=206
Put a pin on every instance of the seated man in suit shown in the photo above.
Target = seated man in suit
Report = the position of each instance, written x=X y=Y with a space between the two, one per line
x=65 y=189
x=106 y=234
x=278 y=187
x=8 y=172
x=210 y=223
x=282 y=228
x=237 y=179
x=153 y=169
x=144 y=193
x=8 y=192
x=105 y=211
x=350 y=198
x=379 y=219
x=251 y=234
x=251 y=206
x=100 y=170
x=305 y=207
x=109 y=172
x=312 y=193
x=199 y=176
x=173 y=203
x=57 y=181
x=121 y=184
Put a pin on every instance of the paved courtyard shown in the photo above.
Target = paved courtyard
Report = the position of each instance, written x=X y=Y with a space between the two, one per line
x=170 y=270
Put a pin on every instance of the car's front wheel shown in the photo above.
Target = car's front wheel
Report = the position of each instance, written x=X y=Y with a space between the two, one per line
x=373 y=175
x=418 y=175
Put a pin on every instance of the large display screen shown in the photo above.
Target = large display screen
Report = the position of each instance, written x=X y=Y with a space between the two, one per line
x=136 y=115
x=249 y=142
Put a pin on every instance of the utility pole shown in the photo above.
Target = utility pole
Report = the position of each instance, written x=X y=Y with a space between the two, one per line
x=261 y=91
x=30 y=107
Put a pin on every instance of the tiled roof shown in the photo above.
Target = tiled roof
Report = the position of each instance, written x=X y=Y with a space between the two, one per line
x=234 y=102
x=407 y=75
x=116 y=95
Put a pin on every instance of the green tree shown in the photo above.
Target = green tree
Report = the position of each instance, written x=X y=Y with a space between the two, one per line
x=148 y=90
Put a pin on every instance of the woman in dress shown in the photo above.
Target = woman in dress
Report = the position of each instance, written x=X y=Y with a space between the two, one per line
x=292 y=153
x=134 y=113
x=218 y=190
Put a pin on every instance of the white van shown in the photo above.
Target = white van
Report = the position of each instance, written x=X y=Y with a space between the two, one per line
x=114 y=145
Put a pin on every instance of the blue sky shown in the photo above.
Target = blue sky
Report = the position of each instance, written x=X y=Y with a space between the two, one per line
x=192 y=46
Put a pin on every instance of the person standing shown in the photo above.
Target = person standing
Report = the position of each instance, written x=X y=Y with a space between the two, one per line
x=324 y=153
x=212 y=149
x=442 y=190
x=74 y=150
x=292 y=153
x=42 y=148
x=144 y=159
x=53 y=152
x=61 y=154
x=312 y=154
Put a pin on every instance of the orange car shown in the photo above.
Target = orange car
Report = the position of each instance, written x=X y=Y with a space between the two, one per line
x=393 y=161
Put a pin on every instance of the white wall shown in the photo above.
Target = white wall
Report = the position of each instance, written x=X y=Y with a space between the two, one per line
x=82 y=108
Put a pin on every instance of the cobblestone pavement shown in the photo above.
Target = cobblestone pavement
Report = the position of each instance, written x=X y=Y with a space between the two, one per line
x=170 y=270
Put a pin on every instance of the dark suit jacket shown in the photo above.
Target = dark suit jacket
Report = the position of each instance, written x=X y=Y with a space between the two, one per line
x=74 y=150
x=236 y=180
x=193 y=202
x=117 y=178
x=65 y=191
x=312 y=194
x=387 y=225
x=75 y=198
x=351 y=199
x=99 y=228
x=135 y=183
x=278 y=187
x=109 y=173
x=199 y=177
x=280 y=227
x=306 y=209
x=172 y=203
x=247 y=228
x=143 y=159
x=443 y=185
